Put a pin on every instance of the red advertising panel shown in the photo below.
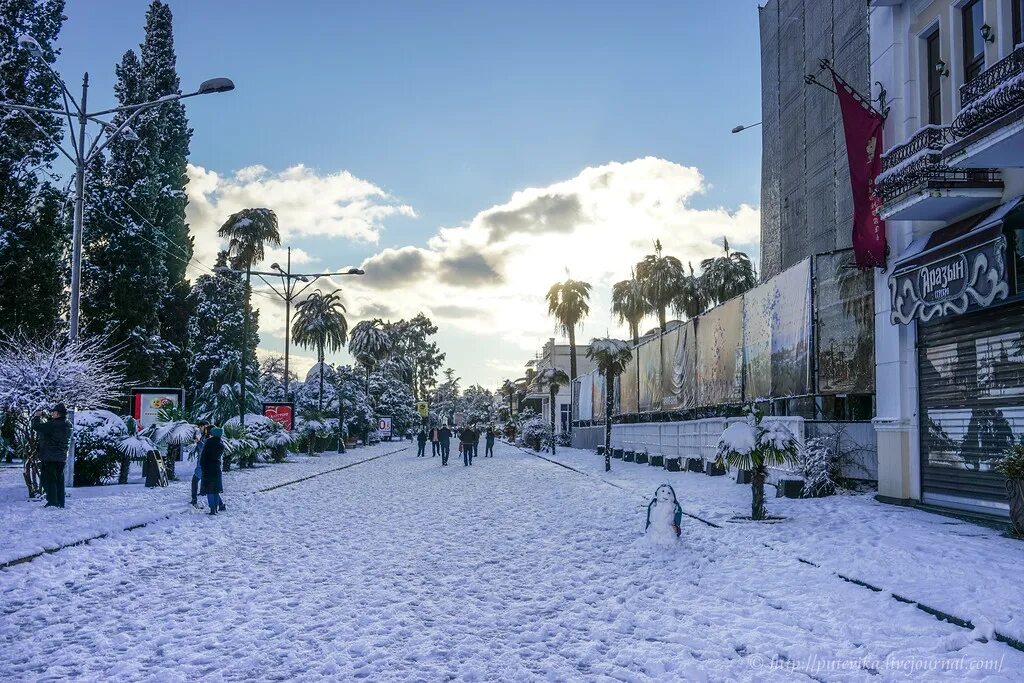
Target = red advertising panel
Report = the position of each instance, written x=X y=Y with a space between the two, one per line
x=281 y=413
x=147 y=402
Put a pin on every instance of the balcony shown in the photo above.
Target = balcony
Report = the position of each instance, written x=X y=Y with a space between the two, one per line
x=989 y=130
x=916 y=185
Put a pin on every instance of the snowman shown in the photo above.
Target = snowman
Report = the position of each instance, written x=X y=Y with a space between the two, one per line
x=664 y=516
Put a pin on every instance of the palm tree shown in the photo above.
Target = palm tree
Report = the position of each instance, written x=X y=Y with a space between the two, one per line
x=727 y=276
x=629 y=303
x=691 y=300
x=509 y=391
x=553 y=379
x=369 y=344
x=611 y=357
x=663 y=280
x=247 y=231
x=569 y=303
x=320 y=322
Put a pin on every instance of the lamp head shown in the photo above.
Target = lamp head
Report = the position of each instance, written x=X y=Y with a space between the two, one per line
x=274 y=266
x=737 y=129
x=27 y=42
x=216 y=85
x=356 y=271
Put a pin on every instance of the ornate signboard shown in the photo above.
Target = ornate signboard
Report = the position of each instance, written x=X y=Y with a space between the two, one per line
x=967 y=280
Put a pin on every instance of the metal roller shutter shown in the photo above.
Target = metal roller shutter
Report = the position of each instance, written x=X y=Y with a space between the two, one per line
x=971 y=378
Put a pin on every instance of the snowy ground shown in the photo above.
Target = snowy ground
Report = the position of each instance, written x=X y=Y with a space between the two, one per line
x=104 y=509
x=961 y=568
x=514 y=569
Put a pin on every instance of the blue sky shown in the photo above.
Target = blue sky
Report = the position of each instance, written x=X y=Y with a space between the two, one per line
x=449 y=109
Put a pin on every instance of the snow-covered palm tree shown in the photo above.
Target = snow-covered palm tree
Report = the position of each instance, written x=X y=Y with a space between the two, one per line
x=663 y=279
x=611 y=357
x=728 y=275
x=247 y=232
x=691 y=300
x=569 y=303
x=320 y=323
x=553 y=379
x=629 y=303
x=369 y=344
x=509 y=390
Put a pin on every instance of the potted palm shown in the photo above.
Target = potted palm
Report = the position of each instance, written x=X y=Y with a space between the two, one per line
x=756 y=445
x=1011 y=465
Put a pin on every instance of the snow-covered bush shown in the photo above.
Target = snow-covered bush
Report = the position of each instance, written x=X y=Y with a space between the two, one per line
x=241 y=446
x=533 y=433
x=98 y=438
x=820 y=468
x=278 y=442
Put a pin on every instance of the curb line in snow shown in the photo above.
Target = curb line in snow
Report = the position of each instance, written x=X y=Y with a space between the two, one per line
x=937 y=613
x=133 y=527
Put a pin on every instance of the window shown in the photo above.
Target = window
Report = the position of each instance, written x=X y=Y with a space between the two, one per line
x=934 y=78
x=1016 y=7
x=973 y=18
x=566 y=413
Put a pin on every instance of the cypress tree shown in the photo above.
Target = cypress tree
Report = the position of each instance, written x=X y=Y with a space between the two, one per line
x=33 y=233
x=168 y=140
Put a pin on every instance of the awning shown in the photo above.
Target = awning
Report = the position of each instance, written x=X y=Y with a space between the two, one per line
x=957 y=268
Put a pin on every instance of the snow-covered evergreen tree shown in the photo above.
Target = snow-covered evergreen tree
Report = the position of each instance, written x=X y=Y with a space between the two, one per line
x=167 y=138
x=33 y=231
x=215 y=324
x=391 y=396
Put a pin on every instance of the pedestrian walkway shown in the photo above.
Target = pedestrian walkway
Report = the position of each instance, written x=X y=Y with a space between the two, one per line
x=513 y=569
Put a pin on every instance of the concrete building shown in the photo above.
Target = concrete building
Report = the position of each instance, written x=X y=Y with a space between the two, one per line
x=949 y=316
x=554 y=355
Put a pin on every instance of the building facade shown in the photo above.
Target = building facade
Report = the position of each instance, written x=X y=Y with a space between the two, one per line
x=949 y=316
x=538 y=398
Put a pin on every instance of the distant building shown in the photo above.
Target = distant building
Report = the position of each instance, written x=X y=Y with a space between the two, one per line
x=554 y=355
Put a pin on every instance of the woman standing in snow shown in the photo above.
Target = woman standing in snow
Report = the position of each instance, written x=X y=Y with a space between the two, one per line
x=197 y=474
x=489 y=442
x=212 y=484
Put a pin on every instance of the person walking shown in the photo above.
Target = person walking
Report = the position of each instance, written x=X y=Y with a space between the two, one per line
x=435 y=442
x=444 y=440
x=489 y=442
x=421 y=444
x=197 y=473
x=212 y=482
x=54 y=435
x=467 y=438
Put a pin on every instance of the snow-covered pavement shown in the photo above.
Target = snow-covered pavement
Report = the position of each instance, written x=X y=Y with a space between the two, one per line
x=514 y=569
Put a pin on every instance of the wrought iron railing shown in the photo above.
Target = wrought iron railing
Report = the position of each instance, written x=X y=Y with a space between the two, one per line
x=994 y=92
x=917 y=165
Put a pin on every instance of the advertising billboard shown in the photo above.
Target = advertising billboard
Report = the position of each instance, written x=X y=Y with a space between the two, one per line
x=148 y=402
x=282 y=413
x=720 y=354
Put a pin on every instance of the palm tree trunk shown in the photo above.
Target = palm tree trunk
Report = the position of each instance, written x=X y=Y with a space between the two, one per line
x=320 y=358
x=245 y=340
x=609 y=406
x=661 y=319
x=572 y=352
x=758 y=510
x=634 y=329
x=552 y=392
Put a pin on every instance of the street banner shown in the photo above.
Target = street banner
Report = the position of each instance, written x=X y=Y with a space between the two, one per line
x=599 y=398
x=147 y=402
x=649 y=362
x=423 y=408
x=629 y=389
x=679 y=367
x=282 y=413
x=862 y=127
x=720 y=354
x=384 y=427
x=584 y=403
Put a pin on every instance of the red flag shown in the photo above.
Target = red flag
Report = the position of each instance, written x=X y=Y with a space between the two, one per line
x=862 y=126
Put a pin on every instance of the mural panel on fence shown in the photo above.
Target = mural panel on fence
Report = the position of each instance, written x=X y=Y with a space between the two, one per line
x=791 y=331
x=720 y=354
x=599 y=398
x=757 y=341
x=629 y=391
x=844 y=311
x=585 y=398
x=679 y=367
x=650 y=370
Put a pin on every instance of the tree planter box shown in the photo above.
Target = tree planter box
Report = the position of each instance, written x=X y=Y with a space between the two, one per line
x=628 y=456
x=744 y=477
x=657 y=461
x=1015 y=491
x=673 y=464
x=694 y=465
x=715 y=469
x=789 y=488
x=641 y=458
x=617 y=453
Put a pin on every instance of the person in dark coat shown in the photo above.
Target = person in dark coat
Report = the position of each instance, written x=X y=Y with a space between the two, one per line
x=444 y=439
x=54 y=435
x=197 y=474
x=467 y=438
x=421 y=444
x=435 y=442
x=212 y=483
x=489 y=442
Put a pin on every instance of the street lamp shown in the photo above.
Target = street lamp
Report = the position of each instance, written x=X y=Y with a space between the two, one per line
x=742 y=127
x=81 y=158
